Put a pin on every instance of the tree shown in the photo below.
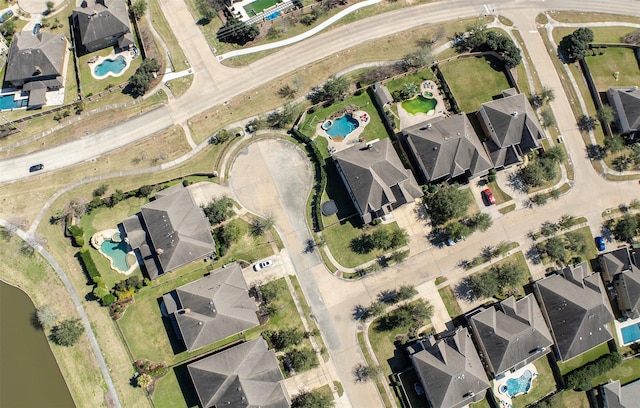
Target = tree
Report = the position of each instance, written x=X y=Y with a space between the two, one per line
x=364 y=373
x=376 y=309
x=260 y=225
x=237 y=32
x=282 y=117
x=144 y=380
x=408 y=91
x=622 y=163
x=333 y=89
x=457 y=231
x=381 y=238
x=508 y=275
x=480 y=221
x=67 y=333
x=483 y=285
x=614 y=144
x=287 y=92
x=50 y=5
x=554 y=248
x=555 y=154
x=302 y=359
x=418 y=59
x=574 y=46
x=447 y=203
x=8 y=28
x=219 y=209
x=233 y=231
x=577 y=242
x=626 y=228
x=605 y=114
x=312 y=399
x=286 y=338
x=140 y=80
x=566 y=221
x=99 y=192
x=47 y=316
x=548 y=119
x=405 y=292
x=144 y=191
x=138 y=8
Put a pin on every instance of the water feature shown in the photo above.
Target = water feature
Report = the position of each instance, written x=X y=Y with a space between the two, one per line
x=117 y=251
x=110 y=66
x=420 y=105
x=342 y=126
x=630 y=334
x=519 y=385
x=9 y=102
x=29 y=374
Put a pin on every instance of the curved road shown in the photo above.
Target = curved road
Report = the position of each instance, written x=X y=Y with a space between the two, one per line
x=214 y=83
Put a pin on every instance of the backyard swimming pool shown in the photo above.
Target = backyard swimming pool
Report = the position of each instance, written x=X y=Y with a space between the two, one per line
x=630 y=334
x=9 y=102
x=420 y=105
x=117 y=251
x=113 y=66
x=342 y=126
x=520 y=385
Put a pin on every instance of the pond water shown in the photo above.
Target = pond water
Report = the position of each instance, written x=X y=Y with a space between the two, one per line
x=29 y=374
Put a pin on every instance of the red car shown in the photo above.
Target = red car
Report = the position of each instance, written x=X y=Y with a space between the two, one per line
x=489 y=196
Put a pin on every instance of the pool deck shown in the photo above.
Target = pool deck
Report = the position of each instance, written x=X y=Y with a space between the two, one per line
x=96 y=241
x=128 y=57
x=407 y=119
x=352 y=138
x=620 y=325
x=504 y=399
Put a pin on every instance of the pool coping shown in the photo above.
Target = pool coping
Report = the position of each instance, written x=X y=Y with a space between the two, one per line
x=128 y=57
x=621 y=325
x=96 y=241
x=505 y=400
x=351 y=138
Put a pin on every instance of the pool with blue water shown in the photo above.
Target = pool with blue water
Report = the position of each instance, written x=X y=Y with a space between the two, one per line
x=520 y=385
x=117 y=251
x=113 y=66
x=9 y=102
x=630 y=334
x=342 y=126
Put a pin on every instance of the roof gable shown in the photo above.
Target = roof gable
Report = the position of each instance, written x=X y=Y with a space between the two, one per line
x=626 y=102
x=101 y=19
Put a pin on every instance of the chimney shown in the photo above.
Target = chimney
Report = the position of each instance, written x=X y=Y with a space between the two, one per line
x=514 y=114
x=37 y=70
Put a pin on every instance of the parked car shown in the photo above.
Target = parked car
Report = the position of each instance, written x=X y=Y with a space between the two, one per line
x=261 y=265
x=600 y=244
x=36 y=28
x=488 y=195
x=36 y=167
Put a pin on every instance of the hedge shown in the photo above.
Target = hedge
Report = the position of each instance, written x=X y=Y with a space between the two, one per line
x=580 y=378
x=91 y=268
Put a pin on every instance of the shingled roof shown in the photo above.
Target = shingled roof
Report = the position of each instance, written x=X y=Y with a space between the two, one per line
x=626 y=102
x=512 y=334
x=617 y=268
x=177 y=231
x=38 y=57
x=98 y=20
x=621 y=396
x=376 y=179
x=576 y=306
x=445 y=148
x=212 y=308
x=512 y=126
x=244 y=376
x=450 y=370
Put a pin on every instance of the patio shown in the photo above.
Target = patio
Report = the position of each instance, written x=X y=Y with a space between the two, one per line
x=337 y=143
x=128 y=55
x=501 y=387
x=428 y=89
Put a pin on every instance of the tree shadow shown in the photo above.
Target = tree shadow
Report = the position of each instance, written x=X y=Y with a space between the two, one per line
x=358 y=312
x=170 y=327
x=533 y=255
x=516 y=184
x=35 y=323
x=463 y=291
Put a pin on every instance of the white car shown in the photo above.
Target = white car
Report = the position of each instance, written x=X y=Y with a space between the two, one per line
x=262 y=265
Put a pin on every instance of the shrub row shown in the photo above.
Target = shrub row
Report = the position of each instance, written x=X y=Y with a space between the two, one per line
x=89 y=266
x=321 y=177
x=77 y=235
x=580 y=378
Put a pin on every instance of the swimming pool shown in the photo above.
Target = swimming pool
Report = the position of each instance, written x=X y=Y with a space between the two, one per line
x=342 y=126
x=117 y=251
x=9 y=102
x=110 y=66
x=420 y=105
x=520 y=385
x=630 y=334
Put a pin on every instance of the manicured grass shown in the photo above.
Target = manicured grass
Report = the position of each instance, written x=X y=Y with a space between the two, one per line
x=581 y=17
x=474 y=80
x=498 y=193
x=450 y=302
x=614 y=59
x=573 y=399
x=610 y=34
x=419 y=105
x=307 y=312
x=167 y=393
x=91 y=85
x=507 y=209
x=339 y=237
x=415 y=78
x=626 y=372
x=259 y=5
x=374 y=130
x=160 y=24
x=542 y=385
x=481 y=404
x=369 y=360
x=583 y=358
x=179 y=86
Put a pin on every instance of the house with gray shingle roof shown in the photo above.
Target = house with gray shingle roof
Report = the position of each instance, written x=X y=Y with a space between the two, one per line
x=619 y=271
x=212 y=308
x=575 y=305
x=102 y=23
x=445 y=148
x=243 y=376
x=511 y=334
x=615 y=395
x=449 y=369
x=375 y=178
x=169 y=232
x=512 y=128
x=626 y=103
x=37 y=64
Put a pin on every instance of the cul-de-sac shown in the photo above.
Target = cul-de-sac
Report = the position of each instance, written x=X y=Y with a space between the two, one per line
x=320 y=203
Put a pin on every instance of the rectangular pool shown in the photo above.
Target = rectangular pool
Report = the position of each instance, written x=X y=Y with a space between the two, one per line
x=631 y=333
x=9 y=102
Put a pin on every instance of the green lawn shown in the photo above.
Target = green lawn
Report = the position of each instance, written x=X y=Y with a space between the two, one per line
x=610 y=34
x=626 y=372
x=572 y=399
x=614 y=59
x=450 y=302
x=375 y=128
x=583 y=358
x=416 y=78
x=542 y=385
x=168 y=392
x=474 y=80
x=339 y=237
x=589 y=253
x=498 y=193
x=481 y=404
x=369 y=360
x=419 y=105
x=258 y=5
x=335 y=190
